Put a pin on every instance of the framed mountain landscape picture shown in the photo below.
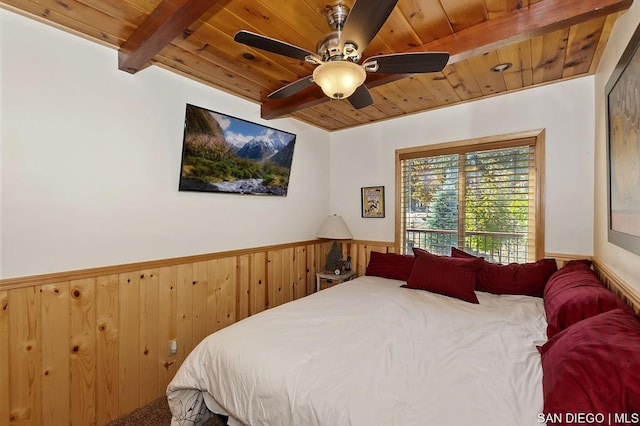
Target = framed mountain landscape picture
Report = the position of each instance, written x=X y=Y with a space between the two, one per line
x=226 y=154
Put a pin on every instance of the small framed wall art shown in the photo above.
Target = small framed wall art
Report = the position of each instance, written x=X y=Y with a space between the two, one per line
x=372 y=201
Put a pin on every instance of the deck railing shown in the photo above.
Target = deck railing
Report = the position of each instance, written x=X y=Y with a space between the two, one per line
x=496 y=247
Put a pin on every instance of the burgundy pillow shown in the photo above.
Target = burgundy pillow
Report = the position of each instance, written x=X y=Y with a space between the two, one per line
x=456 y=252
x=593 y=367
x=515 y=278
x=444 y=275
x=577 y=263
x=575 y=293
x=390 y=265
x=418 y=251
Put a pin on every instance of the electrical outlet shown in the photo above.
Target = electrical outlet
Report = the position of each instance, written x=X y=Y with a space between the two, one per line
x=172 y=347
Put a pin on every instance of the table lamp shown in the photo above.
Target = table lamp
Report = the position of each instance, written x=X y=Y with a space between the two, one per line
x=334 y=229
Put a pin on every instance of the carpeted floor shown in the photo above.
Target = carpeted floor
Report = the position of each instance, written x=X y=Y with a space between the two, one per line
x=157 y=413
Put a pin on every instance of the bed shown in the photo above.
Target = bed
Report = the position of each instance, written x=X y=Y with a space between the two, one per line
x=370 y=352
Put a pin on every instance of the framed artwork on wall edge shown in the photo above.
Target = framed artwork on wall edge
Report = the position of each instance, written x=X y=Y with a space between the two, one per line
x=623 y=149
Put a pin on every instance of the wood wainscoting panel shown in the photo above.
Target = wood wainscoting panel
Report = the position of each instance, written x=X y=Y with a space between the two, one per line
x=242 y=290
x=56 y=362
x=25 y=359
x=619 y=286
x=300 y=262
x=167 y=324
x=200 y=297
x=107 y=348
x=226 y=284
x=149 y=349
x=184 y=311
x=84 y=347
x=278 y=273
x=257 y=283
x=4 y=359
x=129 y=342
x=82 y=359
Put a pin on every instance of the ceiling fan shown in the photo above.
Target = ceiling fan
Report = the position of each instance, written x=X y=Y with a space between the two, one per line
x=339 y=73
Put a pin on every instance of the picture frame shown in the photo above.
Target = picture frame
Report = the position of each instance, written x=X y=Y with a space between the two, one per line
x=623 y=149
x=372 y=201
x=226 y=154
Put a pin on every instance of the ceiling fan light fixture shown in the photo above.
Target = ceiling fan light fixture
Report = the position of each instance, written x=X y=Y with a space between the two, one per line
x=339 y=79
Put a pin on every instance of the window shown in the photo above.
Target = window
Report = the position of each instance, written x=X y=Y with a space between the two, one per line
x=483 y=196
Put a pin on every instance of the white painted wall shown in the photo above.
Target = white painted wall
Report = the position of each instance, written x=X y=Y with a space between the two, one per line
x=90 y=160
x=624 y=263
x=365 y=156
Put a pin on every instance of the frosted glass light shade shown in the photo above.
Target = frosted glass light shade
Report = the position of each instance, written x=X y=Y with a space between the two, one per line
x=339 y=79
x=334 y=228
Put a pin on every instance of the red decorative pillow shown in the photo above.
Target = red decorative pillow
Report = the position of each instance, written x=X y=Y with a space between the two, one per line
x=456 y=252
x=515 y=278
x=418 y=251
x=577 y=263
x=575 y=293
x=444 y=275
x=593 y=367
x=390 y=265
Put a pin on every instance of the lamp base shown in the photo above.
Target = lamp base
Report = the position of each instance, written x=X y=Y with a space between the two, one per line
x=334 y=256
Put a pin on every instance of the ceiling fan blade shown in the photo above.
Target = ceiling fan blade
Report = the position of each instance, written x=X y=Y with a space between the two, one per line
x=271 y=45
x=361 y=97
x=407 y=63
x=291 y=88
x=364 y=21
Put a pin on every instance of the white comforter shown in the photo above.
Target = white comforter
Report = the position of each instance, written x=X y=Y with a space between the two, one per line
x=367 y=352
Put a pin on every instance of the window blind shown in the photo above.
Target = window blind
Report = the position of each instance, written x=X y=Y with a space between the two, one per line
x=480 y=200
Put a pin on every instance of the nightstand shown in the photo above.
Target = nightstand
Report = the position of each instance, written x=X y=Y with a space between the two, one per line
x=327 y=279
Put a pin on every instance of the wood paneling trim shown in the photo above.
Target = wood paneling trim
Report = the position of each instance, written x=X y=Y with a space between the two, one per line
x=622 y=288
x=487 y=142
x=562 y=259
x=31 y=280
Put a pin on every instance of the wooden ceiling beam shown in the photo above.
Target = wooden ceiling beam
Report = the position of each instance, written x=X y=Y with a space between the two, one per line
x=167 y=21
x=539 y=18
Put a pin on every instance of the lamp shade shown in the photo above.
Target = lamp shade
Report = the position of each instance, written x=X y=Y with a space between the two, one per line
x=334 y=228
x=339 y=79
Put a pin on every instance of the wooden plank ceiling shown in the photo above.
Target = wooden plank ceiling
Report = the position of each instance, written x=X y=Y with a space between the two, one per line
x=545 y=41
